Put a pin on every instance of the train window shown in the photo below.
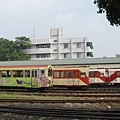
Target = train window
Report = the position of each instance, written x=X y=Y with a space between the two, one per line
x=96 y=74
x=50 y=71
x=101 y=74
x=56 y=74
x=34 y=73
x=5 y=73
x=107 y=74
x=83 y=74
x=27 y=73
x=91 y=74
x=42 y=73
x=17 y=73
x=75 y=74
x=0 y=73
x=118 y=73
x=69 y=74
x=62 y=74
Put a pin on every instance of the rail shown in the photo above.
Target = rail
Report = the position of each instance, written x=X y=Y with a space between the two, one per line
x=61 y=101
x=113 y=114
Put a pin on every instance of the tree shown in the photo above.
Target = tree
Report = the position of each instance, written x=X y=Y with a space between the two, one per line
x=21 y=42
x=19 y=56
x=6 y=48
x=111 y=8
x=12 y=50
x=117 y=55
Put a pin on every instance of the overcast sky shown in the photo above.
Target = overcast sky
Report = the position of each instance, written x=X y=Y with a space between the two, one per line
x=78 y=18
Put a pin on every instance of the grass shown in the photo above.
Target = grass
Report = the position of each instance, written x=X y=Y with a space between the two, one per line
x=33 y=97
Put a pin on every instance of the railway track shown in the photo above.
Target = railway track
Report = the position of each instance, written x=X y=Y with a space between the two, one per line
x=61 y=101
x=66 y=93
x=116 y=94
x=64 y=113
x=93 y=90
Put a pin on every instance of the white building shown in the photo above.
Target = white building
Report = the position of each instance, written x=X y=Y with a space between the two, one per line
x=57 y=47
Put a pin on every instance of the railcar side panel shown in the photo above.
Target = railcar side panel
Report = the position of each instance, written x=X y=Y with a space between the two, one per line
x=97 y=76
x=70 y=76
x=114 y=76
x=26 y=76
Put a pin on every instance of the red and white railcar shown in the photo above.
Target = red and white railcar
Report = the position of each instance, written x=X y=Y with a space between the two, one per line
x=114 y=76
x=97 y=76
x=70 y=76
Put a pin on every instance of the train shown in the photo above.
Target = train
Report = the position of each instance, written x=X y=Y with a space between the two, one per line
x=104 y=76
x=84 y=76
x=47 y=76
x=25 y=76
x=71 y=77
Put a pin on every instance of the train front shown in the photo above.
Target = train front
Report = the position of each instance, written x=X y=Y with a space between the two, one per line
x=45 y=76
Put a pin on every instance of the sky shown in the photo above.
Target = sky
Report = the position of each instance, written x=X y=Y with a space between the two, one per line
x=78 y=18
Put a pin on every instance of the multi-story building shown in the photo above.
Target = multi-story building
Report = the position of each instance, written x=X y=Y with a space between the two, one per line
x=57 y=47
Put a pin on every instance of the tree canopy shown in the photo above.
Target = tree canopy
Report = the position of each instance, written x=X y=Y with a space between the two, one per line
x=12 y=50
x=111 y=8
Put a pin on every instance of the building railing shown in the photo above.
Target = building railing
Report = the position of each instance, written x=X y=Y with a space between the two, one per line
x=38 y=50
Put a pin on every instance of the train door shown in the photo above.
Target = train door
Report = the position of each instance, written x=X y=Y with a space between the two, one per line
x=42 y=74
x=45 y=77
x=75 y=78
x=114 y=76
x=84 y=81
x=102 y=76
x=107 y=75
x=34 y=78
x=118 y=77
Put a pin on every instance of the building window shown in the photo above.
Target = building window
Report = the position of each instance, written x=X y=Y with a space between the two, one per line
x=55 y=40
x=65 y=55
x=79 y=45
x=43 y=56
x=78 y=55
x=43 y=46
x=37 y=56
x=28 y=47
x=55 y=49
x=65 y=45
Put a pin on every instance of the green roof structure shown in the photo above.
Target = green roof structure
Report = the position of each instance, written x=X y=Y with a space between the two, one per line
x=60 y=62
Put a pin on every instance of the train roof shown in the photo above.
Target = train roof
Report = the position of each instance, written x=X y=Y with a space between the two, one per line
x=81 y=61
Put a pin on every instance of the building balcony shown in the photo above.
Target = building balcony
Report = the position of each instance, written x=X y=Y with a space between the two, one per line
x=90 y=54
x=89 y=44
x=77 y=50
x=37 y=50
x=65 y=50
x=41 y=58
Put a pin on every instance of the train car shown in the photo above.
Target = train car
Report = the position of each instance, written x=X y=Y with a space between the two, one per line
x=70 y=77
x=26 y=76
x=97 y=77
x=114 y=76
